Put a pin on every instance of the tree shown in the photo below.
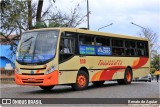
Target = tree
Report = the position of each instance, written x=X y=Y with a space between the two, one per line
x=60 y=19
x=29 y=14
x=155 y=63
x=39 y=10
x=13 y=19
x=154 y=47
x=19 y=15
x=153 y=40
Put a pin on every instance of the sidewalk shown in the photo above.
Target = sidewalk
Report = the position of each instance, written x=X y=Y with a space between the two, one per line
x=155 y=81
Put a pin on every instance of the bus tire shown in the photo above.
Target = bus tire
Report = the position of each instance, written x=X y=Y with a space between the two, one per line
x=127 y=77
x=82 y=81
x=46 y=88
x=98 y=83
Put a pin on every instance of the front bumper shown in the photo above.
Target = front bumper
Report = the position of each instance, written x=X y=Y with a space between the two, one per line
x=37 y=80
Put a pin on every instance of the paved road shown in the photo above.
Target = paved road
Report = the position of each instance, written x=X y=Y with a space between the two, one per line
x=110 y=90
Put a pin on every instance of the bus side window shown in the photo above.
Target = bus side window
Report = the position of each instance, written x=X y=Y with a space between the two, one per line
x=140 y=45
x=118 y=51
x=139 y=52
x=146 y=49
x=128 y=52
x=102 y=41
x=67 y=48
x=81 y=41
x=130 y=46
x=142 y=48
x=132 y=52
x=99 y=44
x=86 y=40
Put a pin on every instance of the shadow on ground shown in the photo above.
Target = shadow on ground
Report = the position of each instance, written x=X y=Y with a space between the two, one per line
x=68 y=89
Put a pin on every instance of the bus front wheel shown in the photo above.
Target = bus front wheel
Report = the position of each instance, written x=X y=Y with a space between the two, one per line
x=82 y=81
x=46 y=88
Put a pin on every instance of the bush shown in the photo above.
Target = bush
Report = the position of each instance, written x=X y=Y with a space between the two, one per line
x=152 y=70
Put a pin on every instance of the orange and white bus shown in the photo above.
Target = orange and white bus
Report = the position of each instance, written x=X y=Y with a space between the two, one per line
x=76 y=57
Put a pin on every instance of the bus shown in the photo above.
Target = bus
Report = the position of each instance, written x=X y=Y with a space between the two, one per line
x=70 y=56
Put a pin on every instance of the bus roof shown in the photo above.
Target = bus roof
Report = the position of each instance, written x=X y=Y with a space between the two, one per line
x=91 y=32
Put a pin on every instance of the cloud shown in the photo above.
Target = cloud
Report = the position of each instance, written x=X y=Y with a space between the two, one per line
x=120 y=12
x=143 y=12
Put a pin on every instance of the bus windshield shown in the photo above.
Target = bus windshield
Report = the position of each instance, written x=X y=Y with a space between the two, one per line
x=37 y=47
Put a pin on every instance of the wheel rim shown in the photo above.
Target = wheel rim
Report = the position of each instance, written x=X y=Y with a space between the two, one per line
x=81 y=80
x=128 y=76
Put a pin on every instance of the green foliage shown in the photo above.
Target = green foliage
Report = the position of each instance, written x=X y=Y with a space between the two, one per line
x=152 y=70
x=40 y=25
x=54 y=24
x=13 y=20
x=13 y=16
x=155 y=63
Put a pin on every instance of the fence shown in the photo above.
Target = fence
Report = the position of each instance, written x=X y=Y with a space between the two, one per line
x=7 y=76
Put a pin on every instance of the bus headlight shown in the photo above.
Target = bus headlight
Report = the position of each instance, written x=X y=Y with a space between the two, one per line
x=50 y=69
x=17 y=70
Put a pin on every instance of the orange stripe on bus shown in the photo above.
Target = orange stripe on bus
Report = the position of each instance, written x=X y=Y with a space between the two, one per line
x=96 y=76
x=108 y=74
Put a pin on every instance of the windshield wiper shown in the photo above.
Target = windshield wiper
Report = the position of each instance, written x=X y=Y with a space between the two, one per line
x=26 y=45
x=27 y=39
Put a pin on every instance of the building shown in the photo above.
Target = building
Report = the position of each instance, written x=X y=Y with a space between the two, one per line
x=7 y=59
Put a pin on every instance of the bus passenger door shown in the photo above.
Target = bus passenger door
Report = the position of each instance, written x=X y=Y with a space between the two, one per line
x=67 y=60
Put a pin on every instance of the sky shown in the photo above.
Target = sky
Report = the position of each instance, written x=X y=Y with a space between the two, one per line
x=121 y=13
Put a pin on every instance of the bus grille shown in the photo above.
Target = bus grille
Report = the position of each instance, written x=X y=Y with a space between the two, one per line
x=32 y=74
x=32 y=81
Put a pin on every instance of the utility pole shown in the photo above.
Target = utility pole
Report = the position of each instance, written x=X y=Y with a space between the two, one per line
x=105 y=26
x=88 y=14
